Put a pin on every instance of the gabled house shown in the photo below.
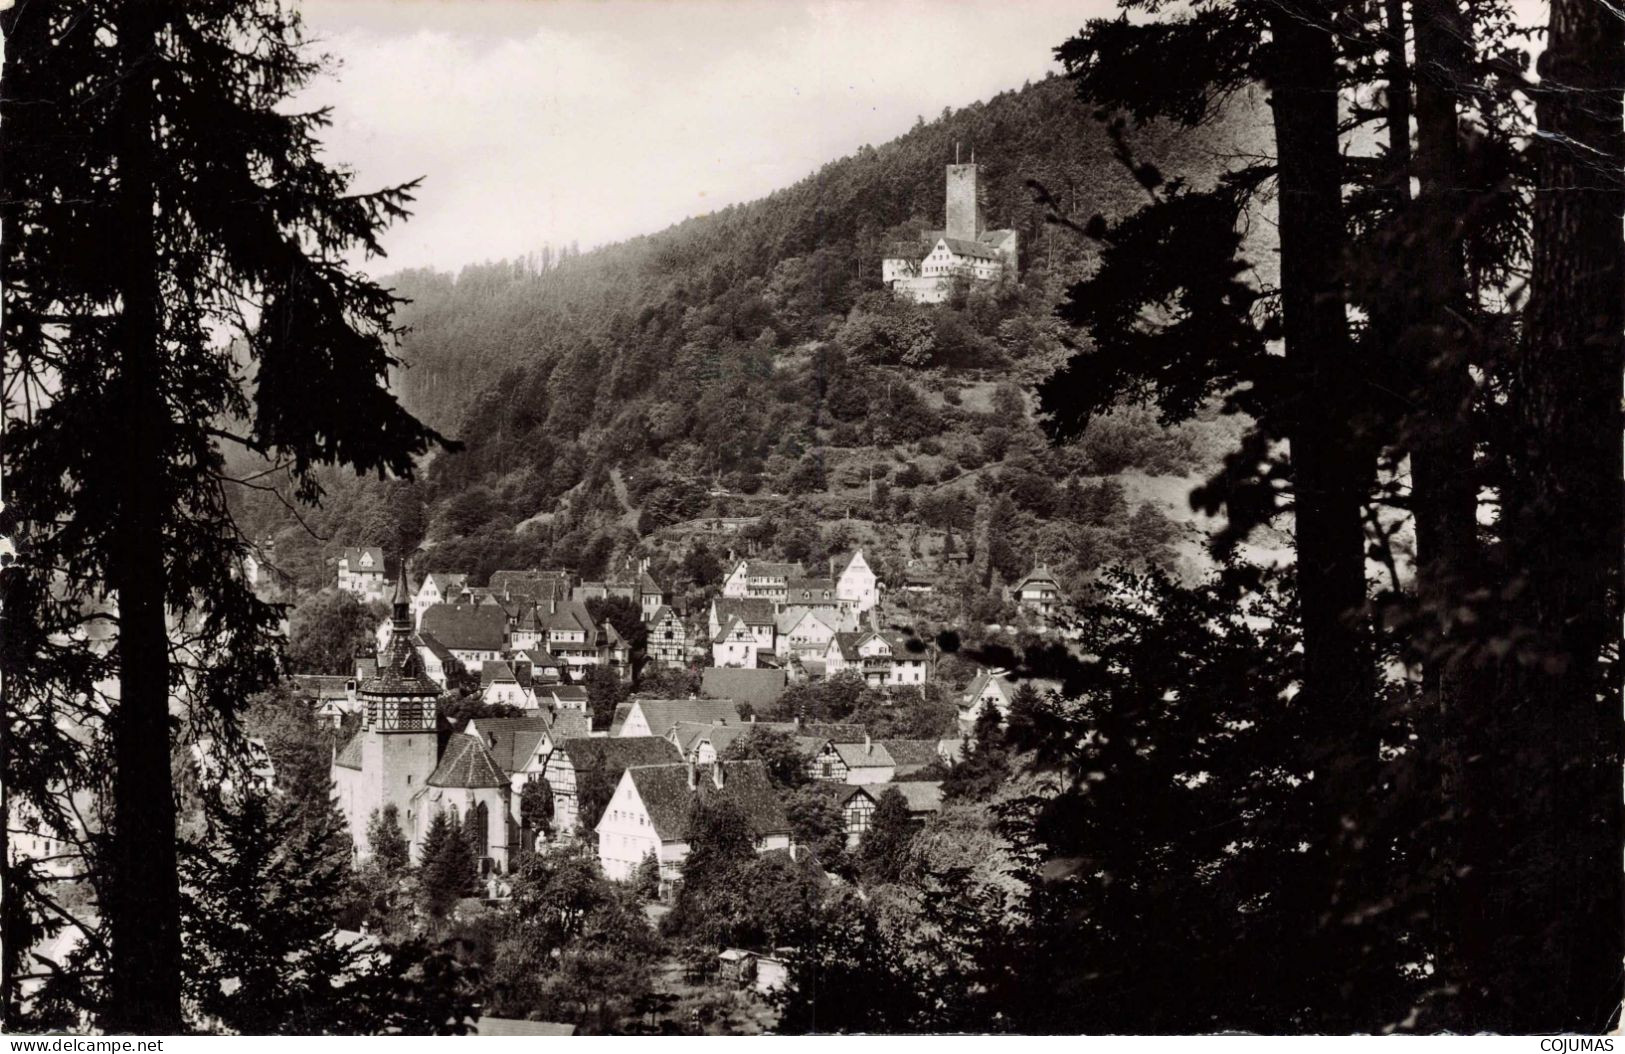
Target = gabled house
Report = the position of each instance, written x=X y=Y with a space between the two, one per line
x=574 y=762
x=855 y=580
x=1039 y=592
x=361 y=574
x=668 y=638
x=652 y=809
x=994 y=688
x=735 y=645
x=856 y=763
x=438 y=661
x=755 y=613
x=655 y=717
x=858 y=802
x=564 y=697
x=880 y=657
x=652 y=596
x=802 y=631
x=502 y=685
x=473 y=633
x=761 y=579
x=436 y=588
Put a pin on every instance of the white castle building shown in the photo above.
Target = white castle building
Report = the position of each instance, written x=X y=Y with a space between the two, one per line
x=962 y=248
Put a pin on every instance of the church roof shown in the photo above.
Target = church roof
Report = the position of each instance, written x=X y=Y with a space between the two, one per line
x=466 y=763
x=350 y=755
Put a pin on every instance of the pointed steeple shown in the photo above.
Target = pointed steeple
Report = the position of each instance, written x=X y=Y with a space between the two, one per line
x=403 y=601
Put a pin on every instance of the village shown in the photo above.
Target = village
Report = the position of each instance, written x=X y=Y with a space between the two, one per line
x=530 y=766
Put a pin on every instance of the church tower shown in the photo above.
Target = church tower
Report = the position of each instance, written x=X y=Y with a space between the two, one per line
x=398 y=746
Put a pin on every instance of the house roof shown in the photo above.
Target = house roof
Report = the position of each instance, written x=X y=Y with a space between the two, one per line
x=539 y=658
x=512 y=741
x=1039 y=576
x=466 y=627
x=570 y=724
x=647 y=583
x=839 y=564
x=752 y=611
x=349 y=756
x=444 y=581
x=321 y=686
x=921 y=796
x=729 y=628
x=662 y=714
x=791 y=617
x=568 y=693
x=858 y=756
x=437 y=649
x=759 y=688
x=513 y=1026
x=670 y=801
x=466 y=762
x=615 y=753
x=619 y=718
x=773 y=569
x=496 y=670
x=352 y=555
x=662 y=613
x=810 y=590
x=538 y=586
x=566 y=616
x=911 y=755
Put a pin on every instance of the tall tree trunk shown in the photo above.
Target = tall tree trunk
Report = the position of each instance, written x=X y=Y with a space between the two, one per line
x=1551 y=900
x=1438 y=345
x=144 y=912
x=1331 y=467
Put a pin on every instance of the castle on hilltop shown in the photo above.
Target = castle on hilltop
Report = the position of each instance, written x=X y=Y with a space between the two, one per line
x=962 y=248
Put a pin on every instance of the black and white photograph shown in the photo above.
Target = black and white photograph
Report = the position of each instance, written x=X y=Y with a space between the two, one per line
x=554 y=518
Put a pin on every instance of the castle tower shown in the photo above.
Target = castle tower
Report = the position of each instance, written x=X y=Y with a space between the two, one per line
x=398 y=746
x=963 y=215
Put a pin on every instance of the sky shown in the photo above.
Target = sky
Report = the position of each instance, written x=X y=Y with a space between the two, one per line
x=545 y=121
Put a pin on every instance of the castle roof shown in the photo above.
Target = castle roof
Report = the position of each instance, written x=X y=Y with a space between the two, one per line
x=466 y=763
x=966 y=247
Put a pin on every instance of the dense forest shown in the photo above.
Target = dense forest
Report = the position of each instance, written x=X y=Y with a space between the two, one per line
x=750 y=362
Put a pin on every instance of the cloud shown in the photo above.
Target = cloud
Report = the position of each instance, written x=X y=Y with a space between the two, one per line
x=545 y=123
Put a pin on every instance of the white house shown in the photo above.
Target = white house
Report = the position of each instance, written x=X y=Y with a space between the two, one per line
x=804 y=632
x=361 y=574
x=735 y=645
x=855 y=580
x=652 y=807
x=436 y=588
x=1038 y=592
x=764 y=579
x=882 y=659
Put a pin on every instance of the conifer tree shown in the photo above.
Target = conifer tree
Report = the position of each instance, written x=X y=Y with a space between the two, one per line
x=883 y=853
x=260 y=898
x=385 y=841
x=172 y=231
x=445 y=867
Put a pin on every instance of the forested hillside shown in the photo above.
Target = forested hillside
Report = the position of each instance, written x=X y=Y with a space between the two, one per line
x=750 y=362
